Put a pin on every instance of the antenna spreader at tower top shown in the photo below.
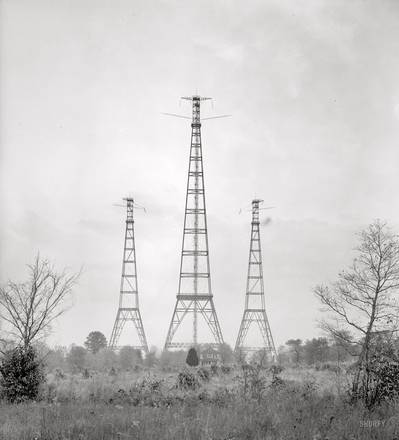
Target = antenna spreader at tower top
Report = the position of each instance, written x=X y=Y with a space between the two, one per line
x=194 y=296
x=255 y=311
x=128 y=309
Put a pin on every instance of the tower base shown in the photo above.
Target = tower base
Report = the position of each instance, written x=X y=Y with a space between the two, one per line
x=196 y=304
x=123 y=316
x=259 y=317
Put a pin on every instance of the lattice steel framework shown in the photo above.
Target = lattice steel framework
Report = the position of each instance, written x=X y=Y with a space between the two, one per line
x=194 y=292
x=128 y=309
x=255 y=311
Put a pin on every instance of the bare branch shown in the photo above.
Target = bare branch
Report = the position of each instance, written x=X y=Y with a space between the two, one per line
x=363 y=296
x=30 y=308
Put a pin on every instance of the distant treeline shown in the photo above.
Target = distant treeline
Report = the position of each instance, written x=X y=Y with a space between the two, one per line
x=78 y=358
x=315 y=351
x=311 y=352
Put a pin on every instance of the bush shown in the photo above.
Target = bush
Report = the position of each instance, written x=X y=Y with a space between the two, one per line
x=308 y=389
x=275 y=370
x=187 y=381
x=253 y=381
x=145 y=392
x=380 y=380
x=222 y=397
x=21 y=374
x=386 y=384
x=129 y=357
x=225 y=369
x=76 y=358
x=203 y=374
x=151 y=384
x=59 y=374
x=192 y=358
x=214 y=370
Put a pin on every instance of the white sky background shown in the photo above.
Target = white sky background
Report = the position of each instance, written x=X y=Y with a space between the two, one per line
x=314 y=93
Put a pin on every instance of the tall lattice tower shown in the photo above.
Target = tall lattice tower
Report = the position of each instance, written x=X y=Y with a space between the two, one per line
x=128 y=309
x=255 y=311
x=194 y=295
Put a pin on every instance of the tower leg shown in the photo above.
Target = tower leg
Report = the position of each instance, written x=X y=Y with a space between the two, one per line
x=117 y=329
x=242 y=333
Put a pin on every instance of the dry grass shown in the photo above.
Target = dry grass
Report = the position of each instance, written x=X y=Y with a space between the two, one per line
x=325 y=380
x=307 y=406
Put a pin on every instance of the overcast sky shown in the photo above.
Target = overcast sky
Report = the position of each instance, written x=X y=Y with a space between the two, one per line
x=313 y=90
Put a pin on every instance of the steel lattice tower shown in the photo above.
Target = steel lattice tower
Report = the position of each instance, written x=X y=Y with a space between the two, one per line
x=128 y=309
x=255 y=311
x=194 y=292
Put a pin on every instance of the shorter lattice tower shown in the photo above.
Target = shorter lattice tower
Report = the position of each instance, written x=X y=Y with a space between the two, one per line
x=255 y=311
x=128 y=309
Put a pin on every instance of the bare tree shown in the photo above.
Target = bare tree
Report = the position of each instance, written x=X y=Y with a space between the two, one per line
x=362 y=299
x=30 y=308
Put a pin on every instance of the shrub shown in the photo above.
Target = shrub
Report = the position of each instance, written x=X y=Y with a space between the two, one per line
x=380 y=380
x=277 y=382
x=203 y=374
x=275 y=370
x=214 y=370
x=192 y=358
x=222 y=397
x=59 y=374
x=144 y=392
x=204 y=396
x=386 y=384
x=187 y=381
x=308 y=389
x=21 y=374
x=76 y=358
x=225 y=369
x=151 y=384
x=253 y=381
x=129 y=357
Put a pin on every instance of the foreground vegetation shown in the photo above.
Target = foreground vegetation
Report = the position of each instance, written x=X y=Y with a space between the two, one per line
x=345 y=386
x=191 y=404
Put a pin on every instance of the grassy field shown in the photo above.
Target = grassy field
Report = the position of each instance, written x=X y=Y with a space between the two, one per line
x=305 y=404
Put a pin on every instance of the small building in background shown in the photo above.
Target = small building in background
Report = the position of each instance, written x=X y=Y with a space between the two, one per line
x=209 y=356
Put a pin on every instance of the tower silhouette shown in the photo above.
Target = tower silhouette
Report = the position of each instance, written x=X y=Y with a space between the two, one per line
x=128 y=309
x=255 y=311
x=194 y=296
